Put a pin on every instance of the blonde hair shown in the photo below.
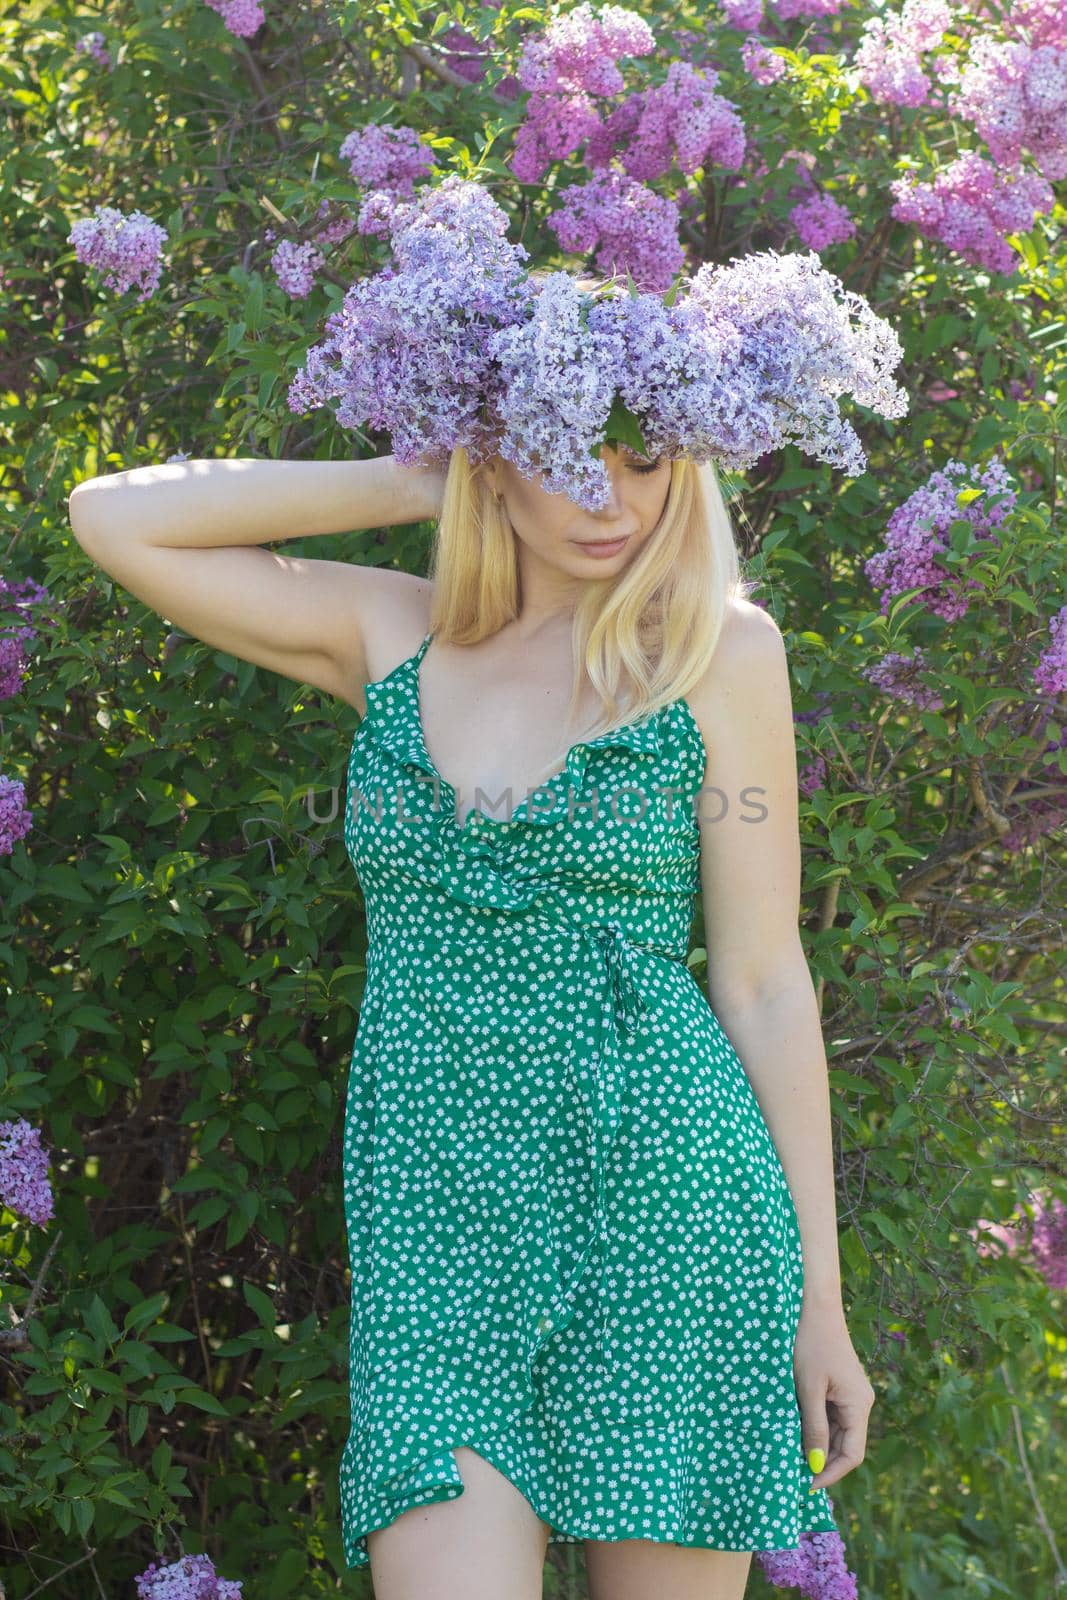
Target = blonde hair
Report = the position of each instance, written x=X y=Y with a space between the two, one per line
x=645 y=637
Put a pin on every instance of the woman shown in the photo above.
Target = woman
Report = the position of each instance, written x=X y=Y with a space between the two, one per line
x=596 y=1294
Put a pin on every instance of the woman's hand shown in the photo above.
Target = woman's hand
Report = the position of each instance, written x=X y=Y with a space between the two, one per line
x=834 y=1392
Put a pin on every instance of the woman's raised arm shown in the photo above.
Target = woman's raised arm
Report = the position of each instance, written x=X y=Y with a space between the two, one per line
x=186 y=538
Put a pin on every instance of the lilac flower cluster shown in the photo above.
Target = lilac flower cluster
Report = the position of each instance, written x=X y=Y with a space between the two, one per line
x=126 y=249
x=94 y=44
x=917 y=537
x=561 y=69
x=1042 y=1239
x=899 y=676
x=407 y=350
x=1038 y=21
x=1048 y=1243
x=13 y=640
x=1038 y=805
x=189 y=1578
x=812 y=777
x=243 y=18
x=630 y=228
x=817 y=1567
x=24 y=1185
x=15 y=819
x=455 y=344
x=1015 y=95
x=762 y=64
x=381 y=156
x=1050 y=674
x=743 y=14
x=788 y=10
x=971 y=206
x=820 y=220
x=888 y=56
x=296 y=265
x=683 y=119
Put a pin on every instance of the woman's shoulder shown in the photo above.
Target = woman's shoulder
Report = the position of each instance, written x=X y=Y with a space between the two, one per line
x=748 y=669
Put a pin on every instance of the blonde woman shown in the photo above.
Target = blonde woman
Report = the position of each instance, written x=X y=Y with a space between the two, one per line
x=595 y=1286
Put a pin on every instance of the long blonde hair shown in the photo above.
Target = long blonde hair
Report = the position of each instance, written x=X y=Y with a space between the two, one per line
x=644 y=637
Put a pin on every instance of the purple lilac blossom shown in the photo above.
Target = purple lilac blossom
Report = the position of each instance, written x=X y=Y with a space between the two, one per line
x=762 y=64
x=1037 y=21
x=1038 y=805
x=812 y=777
x=24 y=1185
x=887 y=57
x=335 y=232
x=454 y=344
x=631 y=228
x=898 y=676
x=917 y=537
x=295 y=266
x=13 y=640
x=1015 y=97
x=1050 y=674
x=971 y=206
x=1048 y=1242
x=788 y=10
x=816 y=1566
x=15 y=820
x=381 y=156
x=126 y=249
x=189 y=1578
x=243 y=18
x=683 y=119
x=94 y=44
x=743 y=14
x=821 y=221
x=580 y=50
x=407 y=351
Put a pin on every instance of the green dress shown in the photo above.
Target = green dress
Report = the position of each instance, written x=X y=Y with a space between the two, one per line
x=572 y=1243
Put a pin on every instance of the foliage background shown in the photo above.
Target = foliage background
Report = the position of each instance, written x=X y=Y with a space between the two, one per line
x=181 y=935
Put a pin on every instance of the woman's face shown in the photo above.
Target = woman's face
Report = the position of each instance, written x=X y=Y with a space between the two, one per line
x=587 y=544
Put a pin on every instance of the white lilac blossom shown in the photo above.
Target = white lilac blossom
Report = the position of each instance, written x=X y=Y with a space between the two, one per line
x=454 y=343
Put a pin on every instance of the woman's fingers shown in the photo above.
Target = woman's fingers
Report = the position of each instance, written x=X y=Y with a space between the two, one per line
x=847 y=1417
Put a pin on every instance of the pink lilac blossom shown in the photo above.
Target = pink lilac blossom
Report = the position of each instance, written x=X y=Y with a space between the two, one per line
x=683 y=119
x=887 y=58
x=189 y=1578
x=631 y=228
x=1036 y=22
x=821 y=221
x=817 y=1567
x=242 y=17
x=1048 y=1242
x=126 y=249
x=762 y=64
x=24 y=1185
x=743 y=14
x=1015 y=97
x=94 y=44
x=917 y=536
x=554 y=127
x=1050 y=674
x=335 y=232
x=1038 y=805
x=381 y=156
x=899 y=676
x=581 y=50
x=295 y=266
x=455 y=344
x=787 y=10
x=971 y=205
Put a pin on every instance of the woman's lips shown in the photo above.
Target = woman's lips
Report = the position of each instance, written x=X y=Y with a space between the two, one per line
x=602 y=548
